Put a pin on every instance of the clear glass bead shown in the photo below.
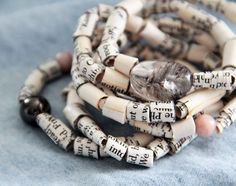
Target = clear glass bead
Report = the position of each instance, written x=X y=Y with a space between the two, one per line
x=159 y=80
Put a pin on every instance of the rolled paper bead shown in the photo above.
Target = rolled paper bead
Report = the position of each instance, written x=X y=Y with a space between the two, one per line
x=162 y=6
x=152 y=34
x=221 y=27
x=160 y=148
x=82 y=45
x=91 y=94
x=97 y=37
x=148 y=8
x=89 y=128
x=129 y=7
x=162 y=111
x=146 y=53
x=138 y=112
x=115 y=25
x=205 y=39
x=214 y=79
x=214 y=108
x=177 y=145
x=67 y=89
x=89 y=69
x=115 y=108
x=176 y=27
x=210 y=4
x=227 y=116
x=85 y=147
x=115 y=80
x=52 y=69
x=197 y=53
x=155 y=129
x=229 y=54
x=225 y=7
x=192 y=15
x=197 y=101
x=139 y=139
x=104 y=10
x=165 y=23
x=115 y=148
x=228 y=9
x=183 y=128
x=56 y=130
x=77 y=79
x=124 y=63
x=32 y=85
x=139 y=156
x=86 y=24
x=103 y=154
x=73 y=113
x=173 y=47
x=122 y=41
x=107 y=52
x=134 y=24
x=211 y=61
x=73 y=98
x=106 y=90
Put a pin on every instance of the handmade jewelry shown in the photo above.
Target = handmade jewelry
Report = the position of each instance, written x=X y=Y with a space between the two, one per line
x=165 y=98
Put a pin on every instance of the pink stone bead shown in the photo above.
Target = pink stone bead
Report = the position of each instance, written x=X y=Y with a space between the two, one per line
x=65 y=61
x=205 y=125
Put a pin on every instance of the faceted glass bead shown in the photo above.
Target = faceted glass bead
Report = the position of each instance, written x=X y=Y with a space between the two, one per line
x=159 y=80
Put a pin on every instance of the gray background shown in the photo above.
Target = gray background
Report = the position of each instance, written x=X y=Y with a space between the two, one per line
x=30 y=33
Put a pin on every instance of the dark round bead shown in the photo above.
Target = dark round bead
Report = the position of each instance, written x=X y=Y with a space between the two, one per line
x=33 y=106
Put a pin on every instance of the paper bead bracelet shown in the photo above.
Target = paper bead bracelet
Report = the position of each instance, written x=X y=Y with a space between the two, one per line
x=87 y=67
x=96 y=144
x=128 y=91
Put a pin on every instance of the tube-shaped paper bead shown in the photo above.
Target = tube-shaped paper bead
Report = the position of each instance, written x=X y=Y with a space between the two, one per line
x=91 y=94
x=227 y=116
x=115 y=108
x=156 y=129
x=162 y=111
x=72 y=113
x=115 y=148
x=177 y=145
x=197 y=101
x=229 y=53
x=115 y=80
x=89 y=69
x=85 y=147
x=52 y=69
x=134 y=24
x=140 y=156
x=160 y=148
x=139 y=139
x=89 y=128
x=128 y=5
x=214 y=79
x=86 y=24
x=138 y=111
x=82 y=45
x=32 y=85
x=124 y=63
x=56 y=130
x=222 y=33
x=183 y=128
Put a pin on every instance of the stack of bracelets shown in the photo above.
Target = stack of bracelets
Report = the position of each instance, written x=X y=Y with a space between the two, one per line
x=154 y=85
